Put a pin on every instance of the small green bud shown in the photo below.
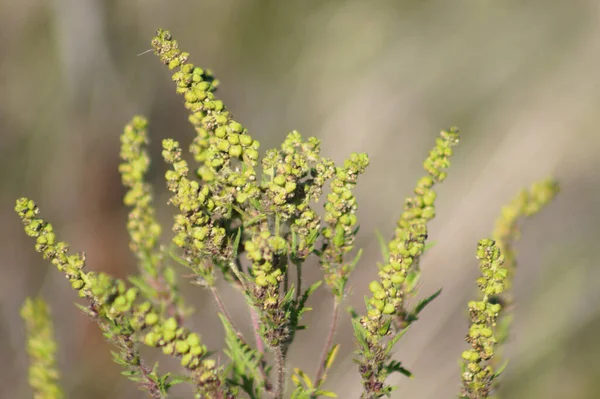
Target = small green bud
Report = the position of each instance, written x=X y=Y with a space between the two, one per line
x=77 y=284
x=168 y=349
x=234 y=138
x=223 y=145
x=151 y=339
x=245 y=140
x=374 y=286
x=186 y=359
x=261 y=281
x=170 y=324
x=193 y=339
x=235 y=150
x=169 y=336
x=131 y=294
x=251 y=153
x=182 y=347
x=196 y=350
x=397 y=278
x=381 y=294
x=236 y=127
x=389 y=308
x=279 y=180
x=151 y=319
x=221 y=132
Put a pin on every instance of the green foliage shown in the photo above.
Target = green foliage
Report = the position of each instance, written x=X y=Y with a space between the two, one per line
x=251 y=221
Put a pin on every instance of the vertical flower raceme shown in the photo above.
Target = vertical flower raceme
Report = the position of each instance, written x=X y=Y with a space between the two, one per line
x=227 y=152
x=397 y=278
x=527 y=203
x=158 y=281
x=507 y=231
x=340 y=217
x=478 y=374
x=199 y=236
x=41 y=348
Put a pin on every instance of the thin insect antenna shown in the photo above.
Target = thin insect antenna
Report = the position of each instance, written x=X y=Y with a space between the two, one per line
x=147 y=51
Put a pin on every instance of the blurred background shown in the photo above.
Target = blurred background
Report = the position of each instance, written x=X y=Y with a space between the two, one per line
x=520 y=78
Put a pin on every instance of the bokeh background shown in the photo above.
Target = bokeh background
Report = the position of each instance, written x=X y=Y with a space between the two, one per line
x=520 y=78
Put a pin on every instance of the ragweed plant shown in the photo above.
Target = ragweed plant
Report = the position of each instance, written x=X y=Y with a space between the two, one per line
x=252 y=222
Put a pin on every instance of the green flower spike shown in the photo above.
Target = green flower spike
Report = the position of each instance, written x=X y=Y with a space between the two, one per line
x=41 y=348
x=158 y=282
x=478 y=373
x=340 y=216
x=506 y=232
x=227 y=152
x=399 y=275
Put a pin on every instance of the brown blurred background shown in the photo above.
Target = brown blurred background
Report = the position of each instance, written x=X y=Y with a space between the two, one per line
x=519 y=77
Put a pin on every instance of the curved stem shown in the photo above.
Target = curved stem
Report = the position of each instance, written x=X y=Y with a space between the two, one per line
x=224 y=311
x=321 y=369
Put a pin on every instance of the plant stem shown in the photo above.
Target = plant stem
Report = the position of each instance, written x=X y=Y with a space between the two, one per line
x=321 y=369
x=224 y=311
x=298 y=281
x=280 y=364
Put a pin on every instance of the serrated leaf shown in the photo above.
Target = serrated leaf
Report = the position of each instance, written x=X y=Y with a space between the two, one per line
x=245 y=360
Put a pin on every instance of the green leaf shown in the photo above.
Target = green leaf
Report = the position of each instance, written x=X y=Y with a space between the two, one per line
x=329 y=362
x=294 y=249
x=139 y=282
x=356 y=259
x=500 y=370
x=428 y=246
x=383 y=246
x=245 y=361
x=413 y=316
x=395 y=339
x=361 y=334
x=236 y=242
x=396 y=367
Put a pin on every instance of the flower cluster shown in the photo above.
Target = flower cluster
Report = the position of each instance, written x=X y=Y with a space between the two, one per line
x=158 y=282
x=220 y=140
x=478 y=375
x=340 y=216
x=526 y=204
x=41 y=348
